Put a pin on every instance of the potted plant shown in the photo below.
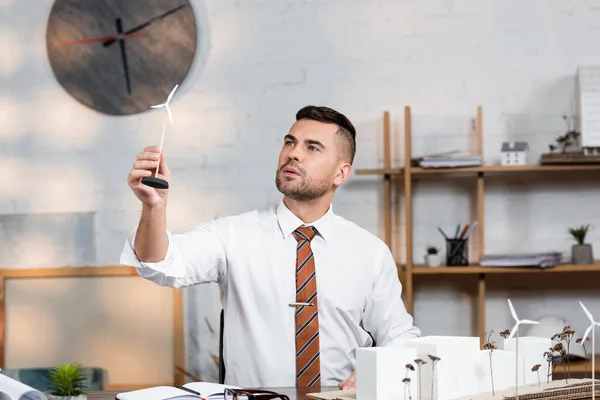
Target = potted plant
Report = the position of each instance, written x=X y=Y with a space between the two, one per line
x=432 y=258
x=67 y=382
x=581 y=252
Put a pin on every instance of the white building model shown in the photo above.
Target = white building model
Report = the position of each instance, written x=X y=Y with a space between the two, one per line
x=457 y=368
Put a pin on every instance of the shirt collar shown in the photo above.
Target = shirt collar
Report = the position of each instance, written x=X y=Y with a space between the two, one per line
x=289 y=222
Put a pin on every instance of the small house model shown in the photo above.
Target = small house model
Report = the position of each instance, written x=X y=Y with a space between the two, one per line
x=514 y=153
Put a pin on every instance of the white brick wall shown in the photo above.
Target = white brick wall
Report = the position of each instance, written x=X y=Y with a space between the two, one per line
x=267 y=59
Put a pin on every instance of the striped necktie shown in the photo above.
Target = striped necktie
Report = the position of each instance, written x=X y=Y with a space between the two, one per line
x=308 y=364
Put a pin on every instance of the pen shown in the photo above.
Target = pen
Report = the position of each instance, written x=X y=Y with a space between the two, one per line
x=442 y=232
x=464 y=231
x=470 y=229
x=187 y=390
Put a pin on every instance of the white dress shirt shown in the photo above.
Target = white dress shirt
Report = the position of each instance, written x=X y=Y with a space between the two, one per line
x=252 y=256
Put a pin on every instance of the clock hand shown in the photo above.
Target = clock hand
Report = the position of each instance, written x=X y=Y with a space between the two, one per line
x=100 y=39
x=123 y=55
x=145 y=24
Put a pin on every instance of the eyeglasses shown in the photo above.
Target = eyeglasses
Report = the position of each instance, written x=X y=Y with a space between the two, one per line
x=252 y=394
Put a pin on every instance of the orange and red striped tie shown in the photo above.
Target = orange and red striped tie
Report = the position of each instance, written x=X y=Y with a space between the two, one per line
x=308 y=364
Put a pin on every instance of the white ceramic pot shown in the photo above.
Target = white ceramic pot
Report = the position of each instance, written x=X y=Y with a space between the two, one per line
x=433 y=260
x=80 y=397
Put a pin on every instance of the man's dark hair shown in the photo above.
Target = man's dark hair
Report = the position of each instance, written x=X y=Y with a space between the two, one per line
x=346 y=130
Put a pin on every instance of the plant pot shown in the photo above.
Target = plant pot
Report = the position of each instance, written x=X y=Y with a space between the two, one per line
x=55 y=397
x=582 y=254
x=433 y=260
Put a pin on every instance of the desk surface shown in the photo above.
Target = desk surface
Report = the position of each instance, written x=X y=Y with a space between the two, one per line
x=292 y=393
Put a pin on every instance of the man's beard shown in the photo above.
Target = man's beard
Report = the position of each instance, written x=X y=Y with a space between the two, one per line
x=299 y=189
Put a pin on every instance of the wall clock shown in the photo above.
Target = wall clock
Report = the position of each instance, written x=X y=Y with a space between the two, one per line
x=119 y=57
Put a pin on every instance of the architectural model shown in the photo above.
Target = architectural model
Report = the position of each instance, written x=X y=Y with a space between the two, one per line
x=458 y=368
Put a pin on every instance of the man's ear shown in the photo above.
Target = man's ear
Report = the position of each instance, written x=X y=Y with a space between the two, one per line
x=344 y=172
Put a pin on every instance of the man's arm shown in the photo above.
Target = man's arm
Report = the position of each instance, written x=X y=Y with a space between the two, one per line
x=194 y=257
x=197 y=256
x=151 y=239
x=385 y=316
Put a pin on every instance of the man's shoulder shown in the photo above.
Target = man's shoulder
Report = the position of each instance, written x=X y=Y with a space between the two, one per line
x=359 y=233
x=250 y=218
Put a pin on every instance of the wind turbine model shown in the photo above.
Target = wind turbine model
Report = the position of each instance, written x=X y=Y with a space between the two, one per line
x=514 y=330
x=155 y=181
x=592 y=328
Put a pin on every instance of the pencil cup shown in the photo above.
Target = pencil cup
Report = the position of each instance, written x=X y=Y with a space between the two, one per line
x=457 y=252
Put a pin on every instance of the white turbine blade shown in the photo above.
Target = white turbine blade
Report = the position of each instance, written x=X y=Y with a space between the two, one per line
x=587 y=312
x=585 y=335
x=512 y=311
x=171 y=94
x=514 y=330
x=528 y=321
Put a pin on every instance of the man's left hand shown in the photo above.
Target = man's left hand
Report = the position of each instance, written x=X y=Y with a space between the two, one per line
x=349 y=383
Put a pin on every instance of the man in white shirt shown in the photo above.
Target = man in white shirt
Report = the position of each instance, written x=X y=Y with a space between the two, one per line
x=302 y=288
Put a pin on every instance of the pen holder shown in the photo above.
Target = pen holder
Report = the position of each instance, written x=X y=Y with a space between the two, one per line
x=457 y=252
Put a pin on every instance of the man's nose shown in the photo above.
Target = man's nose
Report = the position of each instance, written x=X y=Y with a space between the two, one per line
x=295 y=154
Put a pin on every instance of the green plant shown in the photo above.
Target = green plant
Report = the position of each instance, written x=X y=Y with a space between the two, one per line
x=67 y=380
x=432 y=250
x=579 y=233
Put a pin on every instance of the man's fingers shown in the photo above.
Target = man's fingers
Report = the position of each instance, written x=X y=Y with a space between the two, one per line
x=144 y=164
x=136 y=174
x=146 y=155
x=163 y=168
x=152 y=149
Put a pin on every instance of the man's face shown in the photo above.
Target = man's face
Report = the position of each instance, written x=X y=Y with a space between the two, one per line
x=309 y=162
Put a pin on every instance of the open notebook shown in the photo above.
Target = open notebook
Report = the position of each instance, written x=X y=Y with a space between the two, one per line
x=189 y=391
x=11 y=389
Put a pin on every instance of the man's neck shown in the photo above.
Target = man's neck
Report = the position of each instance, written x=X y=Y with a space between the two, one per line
x=308 y=211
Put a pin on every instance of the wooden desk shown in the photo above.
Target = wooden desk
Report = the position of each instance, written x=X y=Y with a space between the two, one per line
x=292 y=393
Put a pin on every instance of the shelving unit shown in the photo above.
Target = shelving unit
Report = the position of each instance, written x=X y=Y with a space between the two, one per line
x=407 y=173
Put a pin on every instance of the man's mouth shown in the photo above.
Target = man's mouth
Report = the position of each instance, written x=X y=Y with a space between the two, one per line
x=290 y=171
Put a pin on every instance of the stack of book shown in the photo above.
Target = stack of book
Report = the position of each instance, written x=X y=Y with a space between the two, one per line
x=450 y=161
x=540 y=260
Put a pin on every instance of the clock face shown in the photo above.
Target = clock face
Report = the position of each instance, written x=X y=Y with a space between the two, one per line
x=120 y=57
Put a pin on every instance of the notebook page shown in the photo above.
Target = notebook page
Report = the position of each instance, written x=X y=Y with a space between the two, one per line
x=157 y=393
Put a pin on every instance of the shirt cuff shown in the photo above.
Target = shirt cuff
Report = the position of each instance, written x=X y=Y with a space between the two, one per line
x=128 y=256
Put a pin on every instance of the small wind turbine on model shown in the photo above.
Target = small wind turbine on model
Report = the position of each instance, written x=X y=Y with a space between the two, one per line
x=591 y=328
x=155 y=181
x=515 y=330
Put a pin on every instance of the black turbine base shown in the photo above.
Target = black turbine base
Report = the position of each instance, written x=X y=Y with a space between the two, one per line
x=155 y=182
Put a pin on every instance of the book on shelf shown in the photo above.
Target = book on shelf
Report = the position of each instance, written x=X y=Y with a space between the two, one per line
x=189 y=391
x=539 y=260
x=450 y=160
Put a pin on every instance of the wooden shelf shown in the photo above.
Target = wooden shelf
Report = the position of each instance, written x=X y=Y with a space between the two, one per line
x=402 y=178
x=476 y=269
x=380 y=171
x=485 y=169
